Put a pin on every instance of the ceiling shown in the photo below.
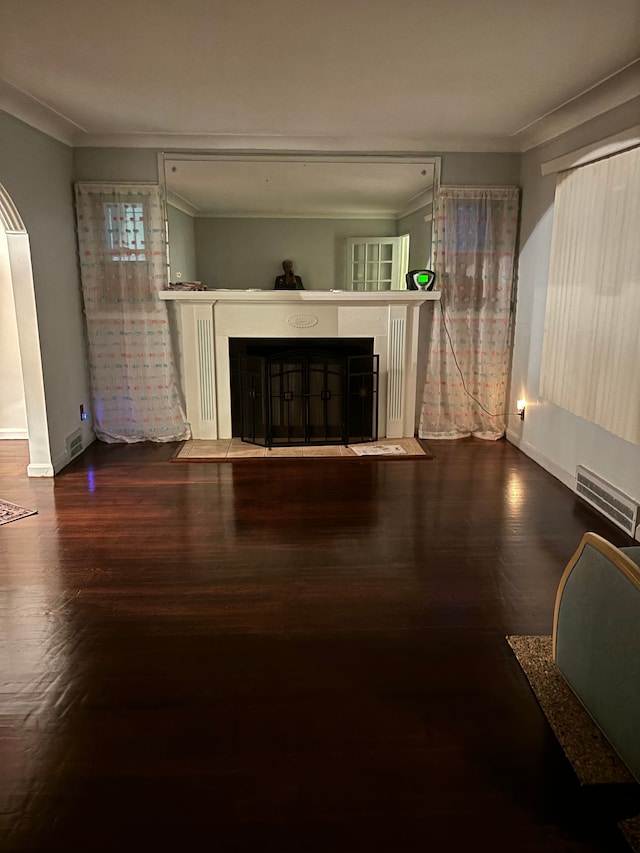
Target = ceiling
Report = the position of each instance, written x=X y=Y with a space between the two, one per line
x=316 y=75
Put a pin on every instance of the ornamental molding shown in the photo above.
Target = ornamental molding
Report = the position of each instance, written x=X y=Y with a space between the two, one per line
x=9 y=216
x=302 y=321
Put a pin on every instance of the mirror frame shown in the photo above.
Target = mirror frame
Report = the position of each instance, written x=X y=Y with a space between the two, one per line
x=405 y=158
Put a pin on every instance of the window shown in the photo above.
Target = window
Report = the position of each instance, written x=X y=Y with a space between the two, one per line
x=591 y=349
x=124 y=231
x=471 y=226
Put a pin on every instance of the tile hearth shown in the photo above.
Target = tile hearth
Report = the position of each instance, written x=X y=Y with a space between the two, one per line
x=234 y=448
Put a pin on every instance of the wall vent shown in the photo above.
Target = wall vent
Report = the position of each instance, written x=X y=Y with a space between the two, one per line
x=608 y=500
x=74 y=443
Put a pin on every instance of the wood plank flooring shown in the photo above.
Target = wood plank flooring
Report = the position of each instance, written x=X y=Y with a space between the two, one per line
x=286 y=657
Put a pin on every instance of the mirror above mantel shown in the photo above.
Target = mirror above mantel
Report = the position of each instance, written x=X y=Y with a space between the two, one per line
x=233 y=218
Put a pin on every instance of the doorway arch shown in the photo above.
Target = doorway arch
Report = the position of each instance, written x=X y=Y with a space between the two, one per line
x=14 y=240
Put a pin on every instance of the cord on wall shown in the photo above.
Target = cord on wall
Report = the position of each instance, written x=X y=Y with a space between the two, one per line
x=521 y=409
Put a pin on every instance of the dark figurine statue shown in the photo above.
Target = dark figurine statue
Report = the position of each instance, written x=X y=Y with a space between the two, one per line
x=288 y=281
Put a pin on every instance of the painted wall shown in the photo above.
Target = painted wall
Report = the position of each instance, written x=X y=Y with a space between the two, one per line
x=182 y=245
x=141 y=164
x=419 y=233
x=37 y=172
x=13 y=412
x=242 y=253
x=473 y=169
x=552 y=436
x=115 y=164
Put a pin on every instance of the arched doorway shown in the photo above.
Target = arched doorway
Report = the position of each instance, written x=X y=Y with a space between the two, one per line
x=14 y=244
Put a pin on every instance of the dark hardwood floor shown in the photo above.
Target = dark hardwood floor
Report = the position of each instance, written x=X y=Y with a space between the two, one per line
x=301 y=656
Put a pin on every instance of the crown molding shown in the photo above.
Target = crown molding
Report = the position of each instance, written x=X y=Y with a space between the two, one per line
x=38 y=115
x=280 y=214
x=180 y=203
x=416 y=203
x=612 y=92
x=622 y=141
x=228 y=143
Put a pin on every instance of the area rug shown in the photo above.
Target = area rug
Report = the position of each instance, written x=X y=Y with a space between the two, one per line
x=379 y=450
x=232 y=450
x=630 y=828
x=12 y=512
x=592 y=757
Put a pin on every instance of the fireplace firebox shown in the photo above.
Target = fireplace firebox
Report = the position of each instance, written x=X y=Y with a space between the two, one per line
x=315 y=392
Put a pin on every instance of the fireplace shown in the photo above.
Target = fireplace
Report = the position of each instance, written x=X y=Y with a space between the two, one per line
x=304 y=392
x=203 y=323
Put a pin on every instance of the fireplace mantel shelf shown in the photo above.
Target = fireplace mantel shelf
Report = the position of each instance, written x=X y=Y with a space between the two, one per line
x=341 y=297
x=204 y=322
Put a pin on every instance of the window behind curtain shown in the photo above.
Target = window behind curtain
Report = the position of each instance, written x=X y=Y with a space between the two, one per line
x=122 y=247
x=124 y=231
x=468 y=362
x=591 y=351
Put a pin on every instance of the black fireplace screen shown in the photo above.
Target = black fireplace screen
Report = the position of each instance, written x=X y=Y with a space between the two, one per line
x=300 y=397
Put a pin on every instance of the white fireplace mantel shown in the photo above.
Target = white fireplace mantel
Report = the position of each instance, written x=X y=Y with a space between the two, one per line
x=207 y=319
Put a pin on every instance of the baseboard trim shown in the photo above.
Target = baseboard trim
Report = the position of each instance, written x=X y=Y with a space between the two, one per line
x=566 y=478
x=63 y=459
x=13 y=434
x=40 y=470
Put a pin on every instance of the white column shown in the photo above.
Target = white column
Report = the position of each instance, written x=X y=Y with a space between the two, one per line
x=411 y=369
x=198 y=359
x=397 y=343
x=223 y=386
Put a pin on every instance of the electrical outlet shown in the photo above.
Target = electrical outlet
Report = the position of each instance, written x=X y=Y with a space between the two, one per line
x=178 y=275
x=84 y=416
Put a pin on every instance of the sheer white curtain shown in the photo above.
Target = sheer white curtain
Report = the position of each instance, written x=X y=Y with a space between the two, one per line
x=123 y=262
x=591 y=349
x=468 y=363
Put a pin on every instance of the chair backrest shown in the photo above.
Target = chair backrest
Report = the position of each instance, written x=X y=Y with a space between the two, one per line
x=596 y=639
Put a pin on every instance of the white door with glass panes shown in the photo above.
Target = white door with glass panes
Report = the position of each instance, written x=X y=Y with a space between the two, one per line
x=377 y=263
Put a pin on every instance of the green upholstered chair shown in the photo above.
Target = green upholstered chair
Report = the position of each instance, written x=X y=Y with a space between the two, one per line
x=596 y=639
